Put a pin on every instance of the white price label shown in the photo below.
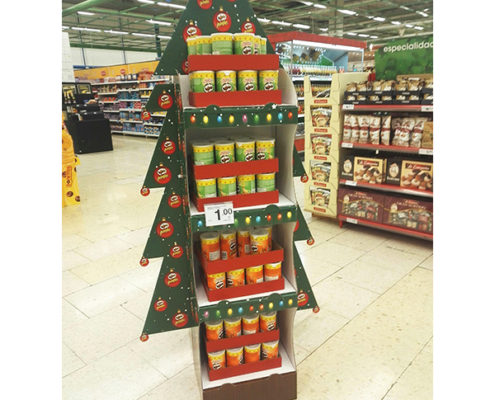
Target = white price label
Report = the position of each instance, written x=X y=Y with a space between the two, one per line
x=426 y=108
x=428 y=152
x=352 y=220
x=347 y=145
x=350 y=183
x=219 y=214
x=348 y=107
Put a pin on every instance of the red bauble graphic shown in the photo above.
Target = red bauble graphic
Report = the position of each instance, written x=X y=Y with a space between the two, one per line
x=174 y=201
x=205 y=4
x=160 y=305
x=103 y=73
x=172 y=279
x=144 y=337
x=144 y=262
x=164 y=229
x=248 y=27
x=165 y=101
x=302 y=299
x=168 y=147
x=310 y=241
x=176 y=251
x=145 y=191
x=222 y=21
x=190 y=30
x=179 y=320
x=162 y=175
x=297 y=226
x=145 y=116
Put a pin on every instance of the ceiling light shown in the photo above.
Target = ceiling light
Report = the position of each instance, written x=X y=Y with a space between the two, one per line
x=281 y=23
x=301 y=26
x=379 y=19
x=348 y=12
x=117 y=32
x=171 y=5
x=351 y=33
x=409 y=26
x=319 y=6
x=307 y=3
x=426 y=9
x=152 y=21
x=374 y=37
x=324 y=29
x=78 y=28
x=405 y=8
x=422 y=13
x=85 y=13
x=146 y=1
x=363 y=35
x=264 y=20
x=164 y=37
x=419 y=28
x=325 y=45
x=65 y=27
x=396 y=22
x=143 y=34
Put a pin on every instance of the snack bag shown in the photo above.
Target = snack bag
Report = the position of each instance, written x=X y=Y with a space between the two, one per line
x=406 y=129
x=363 y=121
x=346 y=136
x=374 y=129
x=351 y=87
x=385 y=132
x=417 y=133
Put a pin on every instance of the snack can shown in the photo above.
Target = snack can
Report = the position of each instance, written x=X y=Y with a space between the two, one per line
x=269 y=229
x=235 y=278
x=224 y=151
x=263 y=45
x=273 y=271
x=206 y=188
x=214 y=330
x=244 y=43
x=210 y=245
x=265 y=182
x=233 y=327
x=270 y=349
x=247 y=80
x=202 y=81
x=221 y=43
x=268 y=321
x=250 y=324
x=254 y=274
x=203 y=153
x=227 y=186
x=235 y=357
x=203 y=45
x=259 y=240
x=216 y=281
x=192 y=46
x=252 y=353
x=256 y=44
x=268 y=80
x=265 y=149
x=243 y=243
x=244 y=149
x=228 y=245
x=216 y=359
x=246 y=184
x=226 y=81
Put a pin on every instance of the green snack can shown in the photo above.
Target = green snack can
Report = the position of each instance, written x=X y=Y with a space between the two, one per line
x=227 y=186
x=206 y=188
x=257 y=44
x=202 y=81
x=263 y=46
x=265 y=149
x=203 y=45
x=224 y=151
x=246 y=184
x=247 y=81
x=221 y=43
x=203 y=153
x=268 y=80
x=244 y=43
x=192 y=46
x=226 y=81
x=244 y=149
x=265 y=182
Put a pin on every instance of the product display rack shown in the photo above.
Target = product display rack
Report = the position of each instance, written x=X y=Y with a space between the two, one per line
x=181 y=299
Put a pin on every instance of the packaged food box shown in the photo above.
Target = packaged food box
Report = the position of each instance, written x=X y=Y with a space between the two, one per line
x=408 y=213
x=360 y=204
x=393 y=170
x=320 y=171
x=369 y=170
x=321 y=117
x=416 y=175
x=319 y=197
x=347 y=167
x=321 y=144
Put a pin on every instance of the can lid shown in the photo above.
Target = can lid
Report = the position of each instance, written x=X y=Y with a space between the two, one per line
x=202 y=143
x=226 y=71
x=222 y=34
x=243 y=34
x=209 y=235
x=216 y=353
x=236 y=350
x=228 y=232
x=253 y=346
x=265 y=139
x=244 y=140
x=203 y=72
x=233 y=320
x=224 y=142
x=269 y=314
x=275 y=342
x=214 y=322
x=228 y=178
x=251 y=317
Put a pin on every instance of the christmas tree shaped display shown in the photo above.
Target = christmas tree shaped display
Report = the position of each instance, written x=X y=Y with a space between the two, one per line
x=226 y=229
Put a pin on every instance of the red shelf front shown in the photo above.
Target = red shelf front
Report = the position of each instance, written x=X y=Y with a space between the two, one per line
x=387 y=188
x=246 y=290
x=398 y=149
x=241 y=200
x=235 y=168
x=234 y=62
x=234 y=99
x=243 y=369
x=240 y=341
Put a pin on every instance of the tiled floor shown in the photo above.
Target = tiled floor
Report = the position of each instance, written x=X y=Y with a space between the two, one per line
x=371 y=340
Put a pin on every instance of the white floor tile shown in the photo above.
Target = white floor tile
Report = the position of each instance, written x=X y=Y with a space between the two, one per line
x=102 y=248
x=334 y=253
x=144 y=277
x=71 y=283
x=139 y=305
x=136 y=237
x=361 y=238
x=71 y=315
x=70 y=362
x=71 y=259
x=182 y=387
x=428 y=263
x=70 y=242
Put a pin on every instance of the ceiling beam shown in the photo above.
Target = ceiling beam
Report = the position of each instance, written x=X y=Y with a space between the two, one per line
x=82 y=6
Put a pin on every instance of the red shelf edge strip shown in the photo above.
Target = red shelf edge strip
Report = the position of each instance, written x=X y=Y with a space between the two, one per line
x=243 y=369
x=235 y=169
x=241 y=200
x=235 y=62
x=238 y=98
x=383 y=147
x=243 y=340
x=246 y=290
x=391 y=188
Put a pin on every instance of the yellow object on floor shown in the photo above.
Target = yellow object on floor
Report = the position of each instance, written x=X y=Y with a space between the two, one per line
x=70 y=187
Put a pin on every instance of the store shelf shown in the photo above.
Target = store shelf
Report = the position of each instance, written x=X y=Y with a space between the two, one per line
x=145 y=97
x=109 y=102
x=312 y=78
x=395 y=149
x=131 y=121
x=113 y=83
x=128 y=90
x=236 y=62
x=387 y=188
x=111 y=111
x=131 y=109
x=159 y=115
x=135 y=133
x=115 y=131
x=388 y=107
x=128 y=100
x=300 y=115
x=151 y=124
x=386 y=227
x=117 y=121
x=106 y=93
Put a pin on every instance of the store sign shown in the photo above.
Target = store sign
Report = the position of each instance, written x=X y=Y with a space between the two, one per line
x=404 y=56
x=219 y=214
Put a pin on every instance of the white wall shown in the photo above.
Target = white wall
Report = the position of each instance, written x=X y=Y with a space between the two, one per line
x=102 y=58
x=67 y=63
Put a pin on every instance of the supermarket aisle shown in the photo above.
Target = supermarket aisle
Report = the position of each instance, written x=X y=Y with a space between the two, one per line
x=371 y=340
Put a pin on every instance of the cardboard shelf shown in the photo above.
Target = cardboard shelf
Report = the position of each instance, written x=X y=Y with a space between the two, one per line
x=241 y=200
x=235 y=168
x=244 y=369
x=234 y=62
x=395 y=149
x=243 y=340
x=221 y=99
x=387 y=188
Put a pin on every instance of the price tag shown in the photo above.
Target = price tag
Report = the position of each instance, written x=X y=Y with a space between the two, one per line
x=350 y=183
x=428 y=152
x=348 y=107
x=426 y=108
x=219 y=214
x=347 y=145
x=352 y=221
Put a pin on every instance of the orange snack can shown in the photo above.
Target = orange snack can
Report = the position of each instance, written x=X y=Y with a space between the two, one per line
x=269 y=349
x=235 y=357
x=210 y=245
x=269 y=229
x=250 y=324
x=214 y=330
x=268 y=321
x=252 y=353
x=259 y=240
x=235 y=277
x=216 y=281
x=243 y=243
x=232 y=327
x=273 y=271
x=254 y=274
x=216 y=359
x=228 y=245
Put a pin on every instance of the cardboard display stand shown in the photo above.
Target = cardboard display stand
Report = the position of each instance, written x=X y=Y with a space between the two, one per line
x=181 y=298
